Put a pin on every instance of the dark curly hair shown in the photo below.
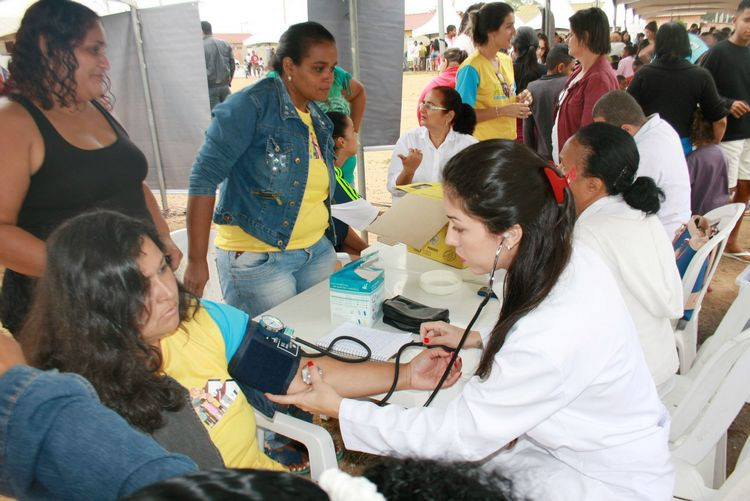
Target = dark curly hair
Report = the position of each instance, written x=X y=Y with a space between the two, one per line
x=411 y=479
x=49 y=78
x=86 y=316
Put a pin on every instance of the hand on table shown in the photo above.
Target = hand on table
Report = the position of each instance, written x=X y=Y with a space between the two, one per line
x=441 y=333
x=10 y=352
x=318 y=398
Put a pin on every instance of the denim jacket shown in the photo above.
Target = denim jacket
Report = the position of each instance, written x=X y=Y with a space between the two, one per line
x=257 y=146
x=58 y=442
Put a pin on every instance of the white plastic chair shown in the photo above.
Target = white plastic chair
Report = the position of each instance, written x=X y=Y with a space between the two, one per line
x=701 y=419
x=212 y=290
x=689 y=484
x=735 y=320
x=315 y=438
x=686 y=333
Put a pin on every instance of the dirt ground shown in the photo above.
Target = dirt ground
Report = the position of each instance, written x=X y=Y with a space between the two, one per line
x=723 y=289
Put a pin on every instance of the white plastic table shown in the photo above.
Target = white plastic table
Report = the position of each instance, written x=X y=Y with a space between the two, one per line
x=309 y=313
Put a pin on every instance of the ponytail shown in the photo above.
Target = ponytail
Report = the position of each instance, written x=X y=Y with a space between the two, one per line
x=644 y=195
x=464 y=119
x=612 y=156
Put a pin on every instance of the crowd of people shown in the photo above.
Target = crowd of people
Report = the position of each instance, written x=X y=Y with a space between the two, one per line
x=547 y=160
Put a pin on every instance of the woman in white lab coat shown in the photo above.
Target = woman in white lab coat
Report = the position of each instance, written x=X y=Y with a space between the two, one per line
x=617 y=219
x=562 y=399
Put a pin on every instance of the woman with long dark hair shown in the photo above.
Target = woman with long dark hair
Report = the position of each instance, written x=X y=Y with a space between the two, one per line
x=446 y=124
x=110 y=309
x=63 y=152
x=562 y=397
x=654 y=88
x=612 y=201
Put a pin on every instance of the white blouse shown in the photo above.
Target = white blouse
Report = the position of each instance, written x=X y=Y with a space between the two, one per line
x=570 y=383
x=433 y=159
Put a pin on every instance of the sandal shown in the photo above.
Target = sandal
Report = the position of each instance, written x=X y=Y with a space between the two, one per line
x=294 y=458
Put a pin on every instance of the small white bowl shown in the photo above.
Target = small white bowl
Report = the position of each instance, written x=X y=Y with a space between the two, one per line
x=439 y=282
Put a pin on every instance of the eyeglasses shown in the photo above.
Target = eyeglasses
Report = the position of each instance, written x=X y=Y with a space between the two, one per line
x=430 y=106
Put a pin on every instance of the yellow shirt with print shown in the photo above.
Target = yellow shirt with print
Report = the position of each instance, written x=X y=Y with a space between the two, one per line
x=312 y=220
x=491 y=92
x=195 y=356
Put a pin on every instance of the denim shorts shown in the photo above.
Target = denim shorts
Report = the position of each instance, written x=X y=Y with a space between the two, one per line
x=257 y=281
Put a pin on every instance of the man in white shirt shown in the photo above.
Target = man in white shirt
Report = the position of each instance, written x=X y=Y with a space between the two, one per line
x=450 y=36
x=659 y=147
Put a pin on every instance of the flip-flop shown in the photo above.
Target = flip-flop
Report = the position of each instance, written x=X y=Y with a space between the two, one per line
x=743 y=256
x=293 y=459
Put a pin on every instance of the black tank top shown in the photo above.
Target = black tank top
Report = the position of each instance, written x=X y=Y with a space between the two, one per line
x=71 y=180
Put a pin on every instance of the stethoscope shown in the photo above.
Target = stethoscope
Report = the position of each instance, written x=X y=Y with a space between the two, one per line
x=274 y=325
x=465 y=335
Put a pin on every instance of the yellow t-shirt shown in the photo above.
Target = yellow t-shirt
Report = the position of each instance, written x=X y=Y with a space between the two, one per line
x=195 y=356
x=493 y=90
x=312 y=220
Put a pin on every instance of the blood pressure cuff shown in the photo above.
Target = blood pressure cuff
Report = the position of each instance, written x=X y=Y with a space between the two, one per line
x=407 y=315
x=264 y=363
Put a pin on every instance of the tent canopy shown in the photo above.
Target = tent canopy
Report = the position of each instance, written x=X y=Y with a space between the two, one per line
x=431 y=26
x=651 y=8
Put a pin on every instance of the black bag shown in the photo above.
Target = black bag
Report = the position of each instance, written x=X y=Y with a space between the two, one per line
x=407 y=315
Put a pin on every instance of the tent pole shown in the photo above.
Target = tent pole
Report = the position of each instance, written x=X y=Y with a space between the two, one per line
x=135 y=21
x=354 y=34
x=549 y=26
x=441 y=21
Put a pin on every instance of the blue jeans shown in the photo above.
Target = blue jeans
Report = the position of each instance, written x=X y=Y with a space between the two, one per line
x=257 y=281
x=57 y=441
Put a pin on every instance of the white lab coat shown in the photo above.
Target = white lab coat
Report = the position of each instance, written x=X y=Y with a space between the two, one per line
x=433 y=159
x=641 y=258
x=570 y=383
x=663 y=160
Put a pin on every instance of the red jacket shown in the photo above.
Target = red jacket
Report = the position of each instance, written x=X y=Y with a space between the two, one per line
x=446 y=79
x=575 y=111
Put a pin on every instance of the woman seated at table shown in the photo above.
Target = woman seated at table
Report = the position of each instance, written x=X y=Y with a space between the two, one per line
x=562 y=398
x=110 y=309
x=344 y=147
x=446 y=125
x=616 y=218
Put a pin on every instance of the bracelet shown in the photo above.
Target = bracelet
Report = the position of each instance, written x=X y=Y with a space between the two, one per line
x=497 y=112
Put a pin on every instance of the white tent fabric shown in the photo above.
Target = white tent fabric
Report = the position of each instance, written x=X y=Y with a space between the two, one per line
x=431 y=27
x=269 y=35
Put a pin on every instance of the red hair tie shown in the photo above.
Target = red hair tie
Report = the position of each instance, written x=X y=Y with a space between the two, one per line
x=558 y=183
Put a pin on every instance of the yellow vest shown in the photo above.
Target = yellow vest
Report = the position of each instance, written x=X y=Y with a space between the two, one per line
x=490 y=93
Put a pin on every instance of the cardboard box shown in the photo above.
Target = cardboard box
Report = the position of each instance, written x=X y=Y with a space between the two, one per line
x=357 y=292
x=418 y=220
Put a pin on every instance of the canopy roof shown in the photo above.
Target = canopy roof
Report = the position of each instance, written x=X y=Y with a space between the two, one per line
x=654 y=8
